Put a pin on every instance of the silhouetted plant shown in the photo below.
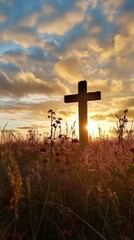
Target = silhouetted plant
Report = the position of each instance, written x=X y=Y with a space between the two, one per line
x=73 y=130
x=3 y=137
x=31 y=134
x=66 y=128
x=52 y=118
x=11 y=135
x=58 y=124
x=130 y=131
x=121 y=124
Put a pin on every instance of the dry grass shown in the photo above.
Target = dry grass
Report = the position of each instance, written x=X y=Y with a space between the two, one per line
x=61 y=192
x=55 y=190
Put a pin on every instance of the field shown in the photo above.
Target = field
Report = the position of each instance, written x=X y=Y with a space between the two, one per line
x=54 y=190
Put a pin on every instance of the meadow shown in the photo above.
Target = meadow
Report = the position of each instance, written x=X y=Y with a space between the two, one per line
x=55 y=190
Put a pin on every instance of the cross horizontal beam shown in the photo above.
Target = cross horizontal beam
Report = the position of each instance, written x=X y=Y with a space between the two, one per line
x=90 y=96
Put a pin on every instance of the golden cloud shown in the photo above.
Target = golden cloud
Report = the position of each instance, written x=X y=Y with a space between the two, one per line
x=116 y=85
x=69 y=69
x=97 y=84
x=32 y=126
x=131 y=29
x=110 y=62
x=30 y=85
x=123 y=102
x=98 y=117
x=119 y=43
x=66 y=113
x=26 y=83
x=132 y=84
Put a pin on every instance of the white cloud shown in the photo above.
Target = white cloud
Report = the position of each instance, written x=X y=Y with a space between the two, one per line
x=61 y=24
x=20 y=37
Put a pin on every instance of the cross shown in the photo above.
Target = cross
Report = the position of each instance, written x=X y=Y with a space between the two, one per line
x=82 y=97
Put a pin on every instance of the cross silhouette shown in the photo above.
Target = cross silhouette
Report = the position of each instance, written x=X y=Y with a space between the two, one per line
x=82 y=97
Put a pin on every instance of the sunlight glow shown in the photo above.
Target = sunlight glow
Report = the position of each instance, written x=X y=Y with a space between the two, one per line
x=92 y=127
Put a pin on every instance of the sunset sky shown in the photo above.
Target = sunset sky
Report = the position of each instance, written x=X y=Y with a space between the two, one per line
x=48 y=46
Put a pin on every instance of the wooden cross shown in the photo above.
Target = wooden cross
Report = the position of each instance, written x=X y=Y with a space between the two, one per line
x=82 y=97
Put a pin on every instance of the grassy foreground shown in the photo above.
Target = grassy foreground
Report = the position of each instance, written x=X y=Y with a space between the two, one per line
x=65 y=193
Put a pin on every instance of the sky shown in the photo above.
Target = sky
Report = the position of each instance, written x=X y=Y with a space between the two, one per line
x=48 y=46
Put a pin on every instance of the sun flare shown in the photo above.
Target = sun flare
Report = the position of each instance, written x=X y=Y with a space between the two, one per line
x=92 y=128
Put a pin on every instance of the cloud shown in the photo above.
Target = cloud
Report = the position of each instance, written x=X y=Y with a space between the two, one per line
x=33 y=59
x=5 y=83
x=70 y=14
x=110 y=9
x=2 y=17
x=26 y=83
x=126 y=6
x=98 y=117
x=127 y=102
x=98 y=84
x=132 y=83
x=69 y=69
x=32 y=126
x=111 y=116
x=36 y=53
x=47 y=47
x=67 y=113
x=113 y=62
x=116 y=86
x=61 y=24
x=29 y=21
x=29 y=111
x=21 y=37
x=9 y=67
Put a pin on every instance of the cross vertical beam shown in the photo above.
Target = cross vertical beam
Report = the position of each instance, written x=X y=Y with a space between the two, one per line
x=82 y=111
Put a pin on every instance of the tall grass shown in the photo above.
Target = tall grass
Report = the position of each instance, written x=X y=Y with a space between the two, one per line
x=61 y=192
x=54 y=190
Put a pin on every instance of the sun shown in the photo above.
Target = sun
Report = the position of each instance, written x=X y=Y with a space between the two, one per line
x=92 y=128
